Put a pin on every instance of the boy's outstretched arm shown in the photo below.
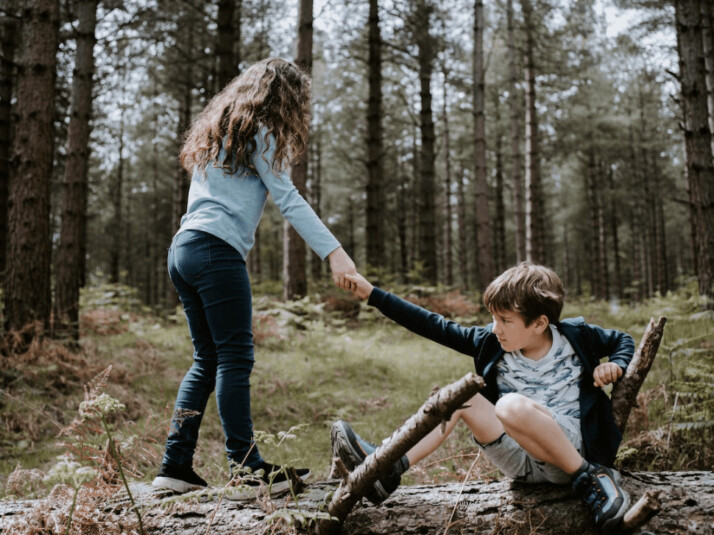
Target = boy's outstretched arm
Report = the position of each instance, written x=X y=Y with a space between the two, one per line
x=417 y=319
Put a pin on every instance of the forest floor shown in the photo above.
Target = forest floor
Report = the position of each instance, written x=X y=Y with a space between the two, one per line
x=318 y=360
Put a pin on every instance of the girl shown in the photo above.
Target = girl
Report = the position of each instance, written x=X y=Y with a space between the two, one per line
x=238 y=150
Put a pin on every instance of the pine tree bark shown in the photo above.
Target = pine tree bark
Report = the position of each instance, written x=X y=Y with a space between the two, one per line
x=647 y=202
x=484 y=258
x=294 y=254
x=516 y=160
x=499 y=227
x=708 y=46
x=427 y=180
x=316 y=193
x=448 y=215
x=73 y=233
x=603 y=263
x=461 y=218
x=697 y=137
x=375 y=149
x=9 y=26
x=660 y=241
x=534 y=207
x=614 y=232
x=117 y=195
x=402 y=224
x=27 y=280
x=227 y=68
x=597 y=279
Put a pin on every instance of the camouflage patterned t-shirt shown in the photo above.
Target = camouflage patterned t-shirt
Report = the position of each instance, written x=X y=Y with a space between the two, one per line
x=553 y=381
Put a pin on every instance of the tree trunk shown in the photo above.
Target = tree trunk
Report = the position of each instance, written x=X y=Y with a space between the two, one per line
x=484 y=257
x=708 y=46
x=499 y=230
x=116 y=197
x=227 y=68
x=603 y=264
x=294 y=258
x=316 y=193
x=463 y=253
x=375 y=149
x=427 y=181
x=595 y=230
x=27 y=279
x=637 y=278
x=660 y=244
x=534 y=216
x=647 y=195
x=448 y=216
x=402 y=224
x=515 y=109
x=70 y=253
x=351 y=245
x=9 y=27
x=697 y=137
x=614 y=235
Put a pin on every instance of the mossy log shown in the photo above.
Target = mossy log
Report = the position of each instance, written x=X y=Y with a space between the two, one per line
x=479 y=507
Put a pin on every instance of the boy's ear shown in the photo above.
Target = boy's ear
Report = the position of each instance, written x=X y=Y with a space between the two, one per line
x=542 y=323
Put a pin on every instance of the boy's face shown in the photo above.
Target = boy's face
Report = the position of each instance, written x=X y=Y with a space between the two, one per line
x=513 y=333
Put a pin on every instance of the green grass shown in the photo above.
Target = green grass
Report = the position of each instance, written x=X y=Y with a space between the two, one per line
x=317 y=368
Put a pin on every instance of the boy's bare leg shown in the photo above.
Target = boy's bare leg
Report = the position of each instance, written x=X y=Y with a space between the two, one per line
x=481 y=418
x=532 y=426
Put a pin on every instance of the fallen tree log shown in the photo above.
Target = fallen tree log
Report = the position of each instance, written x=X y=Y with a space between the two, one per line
x=687 y=506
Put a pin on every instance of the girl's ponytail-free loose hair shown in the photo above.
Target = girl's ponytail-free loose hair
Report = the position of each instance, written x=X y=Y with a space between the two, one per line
x=272 y=93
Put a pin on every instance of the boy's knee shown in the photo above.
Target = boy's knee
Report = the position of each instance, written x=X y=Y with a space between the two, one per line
x=512 y=408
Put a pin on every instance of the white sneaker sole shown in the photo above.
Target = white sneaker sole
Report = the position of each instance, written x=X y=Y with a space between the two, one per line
x=176 y=485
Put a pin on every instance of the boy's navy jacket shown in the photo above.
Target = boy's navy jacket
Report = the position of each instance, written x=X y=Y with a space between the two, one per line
x=601 y=437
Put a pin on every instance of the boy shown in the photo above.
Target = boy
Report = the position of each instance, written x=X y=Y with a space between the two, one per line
x=542 y=416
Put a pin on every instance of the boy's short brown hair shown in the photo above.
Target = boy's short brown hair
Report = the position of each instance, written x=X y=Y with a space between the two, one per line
x=528 y=289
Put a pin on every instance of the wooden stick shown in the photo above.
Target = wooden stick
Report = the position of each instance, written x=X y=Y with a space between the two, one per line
x=624 y=394
x=439 y=407
x=640 y=513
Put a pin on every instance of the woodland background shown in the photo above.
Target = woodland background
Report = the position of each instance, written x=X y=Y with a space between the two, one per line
x=449 y=140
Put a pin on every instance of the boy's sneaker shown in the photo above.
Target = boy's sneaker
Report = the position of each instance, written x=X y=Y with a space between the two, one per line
x=274 y=478
x=179 y=479
x=352 y=451
x=599 y=489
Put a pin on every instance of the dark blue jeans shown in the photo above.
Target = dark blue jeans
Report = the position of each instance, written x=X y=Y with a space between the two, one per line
x=212 y=282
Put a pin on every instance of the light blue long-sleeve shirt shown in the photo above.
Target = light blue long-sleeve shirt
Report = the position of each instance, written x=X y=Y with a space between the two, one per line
x=229 y=206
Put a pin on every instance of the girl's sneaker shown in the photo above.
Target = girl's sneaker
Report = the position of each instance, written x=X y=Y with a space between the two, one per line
x=179 y=479
x=272 y=477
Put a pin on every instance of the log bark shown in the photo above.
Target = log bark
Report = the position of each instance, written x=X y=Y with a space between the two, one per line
x=478 y=507
x=624 y=395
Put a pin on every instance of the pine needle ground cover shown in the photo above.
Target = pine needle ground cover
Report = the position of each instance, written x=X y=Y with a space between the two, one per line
x=319 y=360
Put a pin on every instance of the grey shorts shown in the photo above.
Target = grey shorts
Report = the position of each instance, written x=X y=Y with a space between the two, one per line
x=516 y=463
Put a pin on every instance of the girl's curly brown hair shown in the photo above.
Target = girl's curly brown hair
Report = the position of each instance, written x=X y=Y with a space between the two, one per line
x=272 y=93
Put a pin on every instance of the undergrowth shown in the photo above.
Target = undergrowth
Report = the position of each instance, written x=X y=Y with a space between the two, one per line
x=320 y=359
